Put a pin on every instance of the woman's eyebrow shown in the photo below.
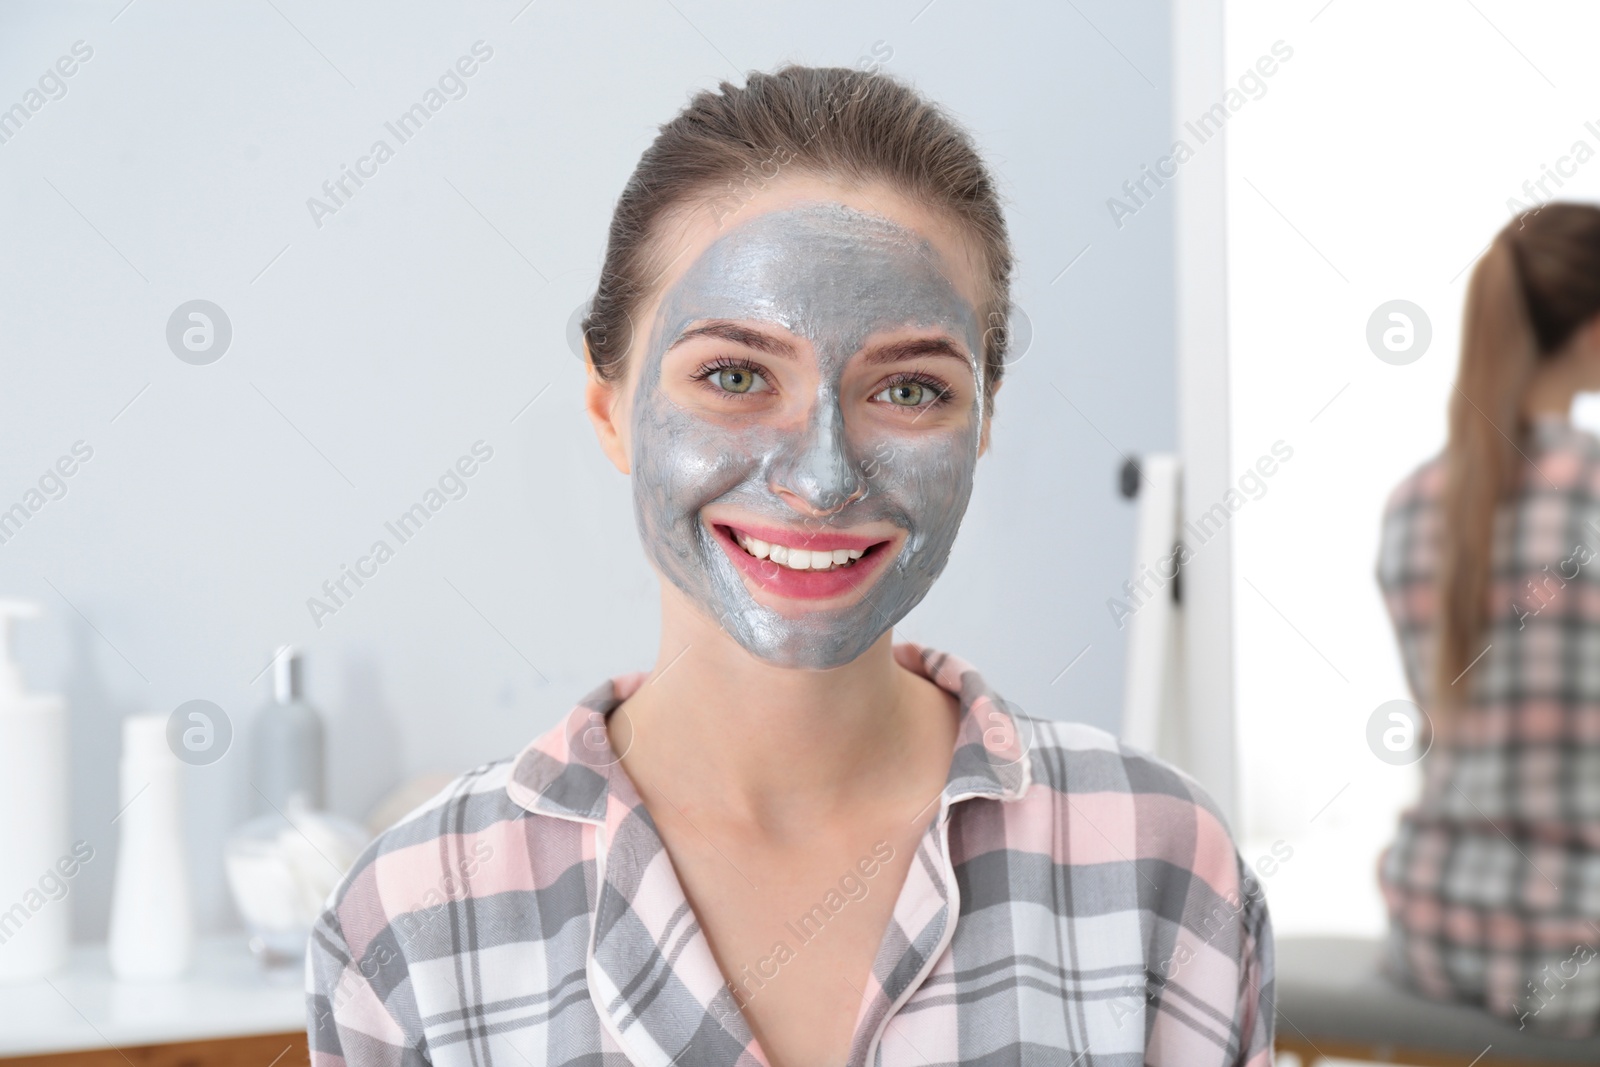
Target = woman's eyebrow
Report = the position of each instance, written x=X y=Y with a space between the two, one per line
x=739 y=335
x=890 y=352
x=896 y=351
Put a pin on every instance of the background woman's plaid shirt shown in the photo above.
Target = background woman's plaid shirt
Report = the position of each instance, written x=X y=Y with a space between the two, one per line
x=1071 y=902
x=1493 y=881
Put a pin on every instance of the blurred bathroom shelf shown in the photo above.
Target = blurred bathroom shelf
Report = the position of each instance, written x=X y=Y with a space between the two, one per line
x=225 y=995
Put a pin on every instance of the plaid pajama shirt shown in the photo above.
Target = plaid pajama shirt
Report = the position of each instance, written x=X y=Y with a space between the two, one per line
x=1493 y=879
x=1071 y=902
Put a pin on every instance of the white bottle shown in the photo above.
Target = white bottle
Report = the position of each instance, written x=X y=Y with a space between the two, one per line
x=33 y=820
x=152 y=922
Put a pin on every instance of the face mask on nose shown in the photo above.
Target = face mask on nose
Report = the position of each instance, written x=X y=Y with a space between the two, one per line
x=834 y=276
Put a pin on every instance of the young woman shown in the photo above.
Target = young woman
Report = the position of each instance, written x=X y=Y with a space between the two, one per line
x=1487 y=566
x=795 y=842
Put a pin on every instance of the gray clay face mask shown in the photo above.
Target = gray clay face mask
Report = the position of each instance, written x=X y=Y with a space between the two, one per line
x=834 y=276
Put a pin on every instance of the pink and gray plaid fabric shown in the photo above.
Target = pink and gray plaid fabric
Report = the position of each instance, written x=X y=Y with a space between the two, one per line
x=1070 y=903
x=1493 y=880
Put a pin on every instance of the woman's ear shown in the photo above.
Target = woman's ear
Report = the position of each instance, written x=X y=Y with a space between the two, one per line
x=602 y=400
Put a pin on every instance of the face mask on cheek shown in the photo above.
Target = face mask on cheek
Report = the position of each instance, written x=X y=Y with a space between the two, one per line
x=834 y=276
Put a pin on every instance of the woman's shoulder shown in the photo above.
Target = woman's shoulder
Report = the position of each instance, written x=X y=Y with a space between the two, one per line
x=1568 y=456
x=1421 y=486
x=1090 y=770
x=454 y=844
x=1071 y=768
x=468 y=802
x=1113 y=810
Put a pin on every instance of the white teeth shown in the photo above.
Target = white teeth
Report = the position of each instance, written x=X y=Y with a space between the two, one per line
x=799 y=559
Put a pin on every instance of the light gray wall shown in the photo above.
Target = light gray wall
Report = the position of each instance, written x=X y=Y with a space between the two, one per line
x=372 y=351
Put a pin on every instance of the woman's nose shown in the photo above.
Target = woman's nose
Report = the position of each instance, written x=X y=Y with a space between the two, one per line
x=817 y=475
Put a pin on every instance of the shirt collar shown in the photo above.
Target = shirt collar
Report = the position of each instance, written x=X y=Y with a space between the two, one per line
x=571 y=771
x=651 y=973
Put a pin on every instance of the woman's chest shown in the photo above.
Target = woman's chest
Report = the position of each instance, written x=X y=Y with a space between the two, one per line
x=795 y=931
x=817 y=966
x=1009 y=986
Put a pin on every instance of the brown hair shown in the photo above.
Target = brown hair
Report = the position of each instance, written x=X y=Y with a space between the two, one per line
x=854 y=125
x=1536 y=285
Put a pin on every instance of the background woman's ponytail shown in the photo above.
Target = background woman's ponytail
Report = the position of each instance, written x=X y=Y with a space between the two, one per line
x=1498 y=354
x=1535 y=286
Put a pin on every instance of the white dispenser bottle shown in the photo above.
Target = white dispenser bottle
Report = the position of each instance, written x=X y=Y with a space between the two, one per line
x=33 y=819
x=152 y=923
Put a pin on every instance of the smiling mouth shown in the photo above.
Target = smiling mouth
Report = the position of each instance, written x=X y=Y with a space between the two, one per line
x=801 y=559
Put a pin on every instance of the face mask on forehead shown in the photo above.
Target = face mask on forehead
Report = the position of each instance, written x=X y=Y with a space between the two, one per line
x=836 y=277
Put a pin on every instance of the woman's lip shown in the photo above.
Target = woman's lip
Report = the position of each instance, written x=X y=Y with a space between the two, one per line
x=823 y=540
x=802 y=585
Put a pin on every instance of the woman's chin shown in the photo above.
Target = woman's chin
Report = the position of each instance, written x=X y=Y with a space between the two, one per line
x=810 y=654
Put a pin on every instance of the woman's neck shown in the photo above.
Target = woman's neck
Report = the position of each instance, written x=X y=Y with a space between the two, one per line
x=1547 y=398
x=773 y=746
x=1557 y=378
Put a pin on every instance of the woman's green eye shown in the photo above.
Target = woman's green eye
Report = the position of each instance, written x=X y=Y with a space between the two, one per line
x=908 y=394
x=734 y=379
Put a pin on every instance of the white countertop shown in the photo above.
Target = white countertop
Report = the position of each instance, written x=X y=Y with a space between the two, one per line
x=225 y=994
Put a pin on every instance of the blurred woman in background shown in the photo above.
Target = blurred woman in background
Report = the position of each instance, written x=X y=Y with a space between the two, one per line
x=1490 y=572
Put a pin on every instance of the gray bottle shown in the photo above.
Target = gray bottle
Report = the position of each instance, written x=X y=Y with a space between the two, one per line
x=286 y=744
